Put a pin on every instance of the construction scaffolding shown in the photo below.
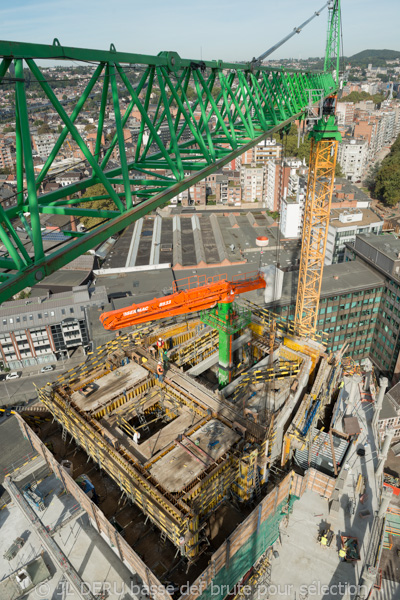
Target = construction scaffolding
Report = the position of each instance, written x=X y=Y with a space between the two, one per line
x=175 y=447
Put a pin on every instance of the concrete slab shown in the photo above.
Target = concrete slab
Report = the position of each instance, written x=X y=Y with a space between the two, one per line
x=91 y=556
x=180 y=467
x=299 y=548
x=110 y=386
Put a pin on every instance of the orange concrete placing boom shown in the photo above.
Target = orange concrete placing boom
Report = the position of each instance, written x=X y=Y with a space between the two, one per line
x=200 y=293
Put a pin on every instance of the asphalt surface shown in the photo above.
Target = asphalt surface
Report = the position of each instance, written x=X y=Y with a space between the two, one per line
x=22 y=390
x=13 y=448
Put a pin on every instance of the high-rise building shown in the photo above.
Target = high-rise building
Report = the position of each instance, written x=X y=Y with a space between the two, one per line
x=353 y=157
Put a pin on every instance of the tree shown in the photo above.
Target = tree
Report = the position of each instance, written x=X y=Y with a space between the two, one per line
x=338 y=170
x=103 y=204
x=387 y=179
x=44 y=129
x=370 y=179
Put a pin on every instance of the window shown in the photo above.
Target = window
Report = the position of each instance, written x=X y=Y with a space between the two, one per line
x=31 y=317
x=52 y=313
x=46 y=314
x=63 y=311
x=71 y=310
x=24 y=318
x=39 y=315
x=18 y=319
x=11 y=321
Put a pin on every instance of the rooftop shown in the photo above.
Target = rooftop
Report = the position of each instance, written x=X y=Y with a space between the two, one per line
x=368 y=218
x=387 y=244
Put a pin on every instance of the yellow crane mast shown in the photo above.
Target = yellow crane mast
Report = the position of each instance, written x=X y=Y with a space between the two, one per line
x=324 y=146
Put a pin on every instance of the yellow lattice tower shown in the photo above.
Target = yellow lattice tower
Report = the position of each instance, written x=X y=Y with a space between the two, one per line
x=324 y=146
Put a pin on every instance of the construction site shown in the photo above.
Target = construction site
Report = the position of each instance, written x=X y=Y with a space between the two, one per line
x=197 y=484
x=213 y=447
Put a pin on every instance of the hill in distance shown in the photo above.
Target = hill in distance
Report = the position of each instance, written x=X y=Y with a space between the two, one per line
x=378 y=58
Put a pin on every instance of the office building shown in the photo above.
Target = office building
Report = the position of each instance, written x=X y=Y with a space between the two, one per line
x=344 y=225
x=43 y=330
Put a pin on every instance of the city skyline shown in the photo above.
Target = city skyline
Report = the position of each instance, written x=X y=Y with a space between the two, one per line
x=196 y=32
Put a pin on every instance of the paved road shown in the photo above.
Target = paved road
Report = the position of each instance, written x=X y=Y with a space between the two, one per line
x=22 y=390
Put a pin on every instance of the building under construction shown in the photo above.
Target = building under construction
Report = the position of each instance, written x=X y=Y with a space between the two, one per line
x=180 y=448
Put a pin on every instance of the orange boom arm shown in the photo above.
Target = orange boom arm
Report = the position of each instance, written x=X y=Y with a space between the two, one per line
x=197 y=296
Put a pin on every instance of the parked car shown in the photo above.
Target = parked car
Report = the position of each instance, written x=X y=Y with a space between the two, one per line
x=47 y=368
x=13 y=375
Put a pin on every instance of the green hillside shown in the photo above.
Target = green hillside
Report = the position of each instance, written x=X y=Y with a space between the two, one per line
x=378 y=58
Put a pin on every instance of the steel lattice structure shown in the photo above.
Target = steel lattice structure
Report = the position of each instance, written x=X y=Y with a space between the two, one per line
x=236 y=106
x=315 y=227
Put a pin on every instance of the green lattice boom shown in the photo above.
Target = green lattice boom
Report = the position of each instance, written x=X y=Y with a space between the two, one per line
x=235 y=106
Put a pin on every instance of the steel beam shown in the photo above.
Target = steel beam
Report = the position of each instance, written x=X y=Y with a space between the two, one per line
x=238 y=105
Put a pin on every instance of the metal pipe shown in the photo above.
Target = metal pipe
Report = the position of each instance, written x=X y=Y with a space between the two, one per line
x=285 y=39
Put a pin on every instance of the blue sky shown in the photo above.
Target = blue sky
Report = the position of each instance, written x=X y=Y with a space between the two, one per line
x=215 y=29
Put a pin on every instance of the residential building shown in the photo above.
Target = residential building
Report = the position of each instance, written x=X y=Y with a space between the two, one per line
x=276 y=183
x=344 y=225
x=266 y=150
x=227 y=186
x=68 y=178
x=43 y=330
x=292 y=207
x=345 y=113
x=291 y=217
x=6 y=155
x=44 y=144
x=252 y=179
x=347 y=195
x=353 y=157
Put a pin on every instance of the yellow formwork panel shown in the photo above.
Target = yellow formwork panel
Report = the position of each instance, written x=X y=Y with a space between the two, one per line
x=313 y=353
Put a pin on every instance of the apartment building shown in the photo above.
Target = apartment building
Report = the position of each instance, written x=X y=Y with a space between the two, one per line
x=353 y=158
x=266 y=150
x=44 y=144
x=345 y=113
x=276 y=183
x=42 y=330
x=6 y=155
x=344 y=226
x=291 y=217
x=347 y=195
x=252 y=180
x=292 y=207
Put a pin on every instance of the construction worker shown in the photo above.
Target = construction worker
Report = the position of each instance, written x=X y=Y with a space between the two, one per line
x=160 y=372
x=165 y=358
x=160 y=346
x=342 y=554
x=324 y=540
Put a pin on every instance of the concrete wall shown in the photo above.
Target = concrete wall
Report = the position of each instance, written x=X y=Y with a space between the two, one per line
x=98 y=519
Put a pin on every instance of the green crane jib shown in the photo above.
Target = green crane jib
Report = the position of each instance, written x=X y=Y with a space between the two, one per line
x=213 y=111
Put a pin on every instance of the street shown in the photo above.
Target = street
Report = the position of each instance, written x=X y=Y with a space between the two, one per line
x=22 y=390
